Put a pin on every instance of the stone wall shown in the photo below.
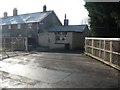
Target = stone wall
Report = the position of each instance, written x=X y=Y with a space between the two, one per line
x=13 y=43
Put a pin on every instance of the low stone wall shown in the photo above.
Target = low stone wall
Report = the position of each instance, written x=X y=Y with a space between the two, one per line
x=106 y=50
x=13 y=43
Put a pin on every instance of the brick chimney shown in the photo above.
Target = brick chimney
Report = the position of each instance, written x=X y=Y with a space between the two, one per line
x=66 y=21
x=15 y=12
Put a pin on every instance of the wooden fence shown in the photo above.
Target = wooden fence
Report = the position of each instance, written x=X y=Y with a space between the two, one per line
x=106 y=50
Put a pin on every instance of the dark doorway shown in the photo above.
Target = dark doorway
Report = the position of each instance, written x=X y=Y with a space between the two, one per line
x=32 y=43
x=67 y=46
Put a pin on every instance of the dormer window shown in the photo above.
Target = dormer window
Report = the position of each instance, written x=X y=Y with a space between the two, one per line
x=19 y=26
x=9 y=26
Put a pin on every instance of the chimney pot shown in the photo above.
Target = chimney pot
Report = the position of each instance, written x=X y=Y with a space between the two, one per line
x=5 y=14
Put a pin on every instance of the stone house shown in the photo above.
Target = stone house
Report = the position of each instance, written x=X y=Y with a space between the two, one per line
x=44 y=29
x=28 y=25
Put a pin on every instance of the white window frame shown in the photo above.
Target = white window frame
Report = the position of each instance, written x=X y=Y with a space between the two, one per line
x=60 y=37
x=9 y=26
x=19 y=26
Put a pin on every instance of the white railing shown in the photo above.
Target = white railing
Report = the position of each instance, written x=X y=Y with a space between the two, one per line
x=106 y=50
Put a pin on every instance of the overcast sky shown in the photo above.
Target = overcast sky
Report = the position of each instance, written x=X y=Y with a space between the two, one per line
x=76 y=13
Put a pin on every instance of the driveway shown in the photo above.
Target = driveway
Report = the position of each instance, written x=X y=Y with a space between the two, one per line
x=55 y=70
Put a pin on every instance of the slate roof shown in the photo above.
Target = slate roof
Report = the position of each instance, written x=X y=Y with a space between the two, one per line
x=70 y=28
x=25 y=18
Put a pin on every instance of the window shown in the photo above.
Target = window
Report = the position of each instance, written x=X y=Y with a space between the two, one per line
x=19 y=26
x=60 y=37
x=9 y=26
x=30 y=25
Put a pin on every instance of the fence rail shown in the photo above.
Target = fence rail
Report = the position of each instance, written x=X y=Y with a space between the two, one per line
x=106 y=50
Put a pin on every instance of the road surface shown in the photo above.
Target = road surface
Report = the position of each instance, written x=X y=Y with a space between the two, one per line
x=55 y=70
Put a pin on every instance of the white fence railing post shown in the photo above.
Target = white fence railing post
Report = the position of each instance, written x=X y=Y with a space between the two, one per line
x=103 y=52
x=92 y=45
x=99 y=47
x=110 y=52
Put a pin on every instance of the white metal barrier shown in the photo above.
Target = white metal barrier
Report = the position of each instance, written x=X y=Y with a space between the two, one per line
x=106 y=50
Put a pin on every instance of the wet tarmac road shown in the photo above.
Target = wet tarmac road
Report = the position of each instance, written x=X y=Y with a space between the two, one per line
x=55 y=70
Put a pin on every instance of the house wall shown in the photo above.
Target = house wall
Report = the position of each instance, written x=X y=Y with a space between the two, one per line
x=54 y=45
x=69 y=39
x=5 y=31
x=32 y=32
x=22 y=32
x=43 y=39
x=76 y=40
x=49 y=21
x=14 y=31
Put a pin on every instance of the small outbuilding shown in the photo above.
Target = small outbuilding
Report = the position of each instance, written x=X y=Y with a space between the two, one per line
x=68 y=37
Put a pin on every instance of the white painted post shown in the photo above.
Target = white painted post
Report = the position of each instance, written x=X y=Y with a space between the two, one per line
x=99 y=48
x=104 y=51
x=110 y=51
x=92 y=45
x=26 y=44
